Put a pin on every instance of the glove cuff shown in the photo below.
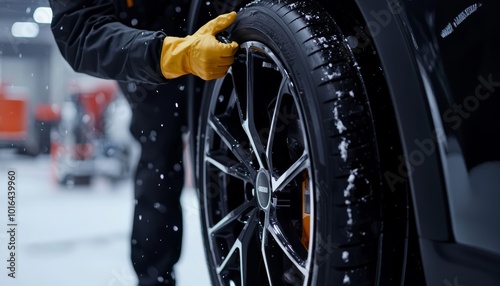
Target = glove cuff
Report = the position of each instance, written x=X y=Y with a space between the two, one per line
x=175 y=57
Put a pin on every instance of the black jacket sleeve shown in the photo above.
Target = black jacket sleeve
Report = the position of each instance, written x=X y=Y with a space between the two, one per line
x=93 y=41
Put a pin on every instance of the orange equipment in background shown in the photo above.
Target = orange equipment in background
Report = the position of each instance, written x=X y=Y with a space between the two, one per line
x=14 y=116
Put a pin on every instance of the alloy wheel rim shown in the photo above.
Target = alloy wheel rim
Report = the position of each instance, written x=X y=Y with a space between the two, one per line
x=257 y=192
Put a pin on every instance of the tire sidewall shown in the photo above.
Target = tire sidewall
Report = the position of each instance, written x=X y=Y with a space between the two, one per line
x=264 y=25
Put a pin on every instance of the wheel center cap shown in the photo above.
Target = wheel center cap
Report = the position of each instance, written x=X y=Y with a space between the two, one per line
x=263 y=189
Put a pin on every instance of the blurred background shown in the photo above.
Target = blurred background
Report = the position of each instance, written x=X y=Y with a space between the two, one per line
x=66 y=137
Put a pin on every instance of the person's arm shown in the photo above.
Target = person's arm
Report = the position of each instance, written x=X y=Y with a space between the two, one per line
x=93 y=41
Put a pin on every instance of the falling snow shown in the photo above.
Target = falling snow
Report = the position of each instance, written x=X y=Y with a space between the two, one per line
x=177 y=167
x=152 y=135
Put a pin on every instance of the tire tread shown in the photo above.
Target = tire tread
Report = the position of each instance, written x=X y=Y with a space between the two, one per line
x=333 y=67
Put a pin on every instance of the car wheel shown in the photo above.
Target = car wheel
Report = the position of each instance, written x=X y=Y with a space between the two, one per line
x=288 y=165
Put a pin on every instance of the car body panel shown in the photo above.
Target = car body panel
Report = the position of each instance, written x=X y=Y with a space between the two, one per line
x=414 y=120
x=465 y=70
x=445 y=57
x=453 y=44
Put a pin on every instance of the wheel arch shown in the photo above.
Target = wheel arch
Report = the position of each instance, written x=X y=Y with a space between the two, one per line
x=442 y=257
x=386 y=21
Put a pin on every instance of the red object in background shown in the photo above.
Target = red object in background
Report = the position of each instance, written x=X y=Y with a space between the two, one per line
x=13 y=116
x=47 y=113
x=96 y=101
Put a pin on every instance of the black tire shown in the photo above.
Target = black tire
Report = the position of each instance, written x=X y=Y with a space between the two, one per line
x=292 y=108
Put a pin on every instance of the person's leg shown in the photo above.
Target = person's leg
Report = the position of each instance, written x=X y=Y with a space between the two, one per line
x=158 y=122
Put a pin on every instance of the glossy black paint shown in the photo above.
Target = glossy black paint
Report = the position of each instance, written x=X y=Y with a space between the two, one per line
x=464 y=40
x=447 y=52
x=423 y=172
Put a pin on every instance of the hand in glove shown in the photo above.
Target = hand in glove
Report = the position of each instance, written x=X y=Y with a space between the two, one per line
x=200 y=54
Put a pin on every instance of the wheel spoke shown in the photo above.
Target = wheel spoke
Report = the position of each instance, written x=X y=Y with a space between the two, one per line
x=249 y=122
x=274 y=121
x=267 y=265
x=236 y=148
x=238 y=72
x=270 y=264
x=274 y=229
x=230 y=167
x=298 y=166
x=235 y=214
x=241 y=245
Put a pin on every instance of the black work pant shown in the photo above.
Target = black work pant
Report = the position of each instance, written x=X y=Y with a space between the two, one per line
x=158 y=121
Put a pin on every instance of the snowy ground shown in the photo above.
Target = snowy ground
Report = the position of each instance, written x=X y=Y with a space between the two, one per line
x=79 y=236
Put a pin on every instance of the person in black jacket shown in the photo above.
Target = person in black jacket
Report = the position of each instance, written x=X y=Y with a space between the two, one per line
x=143 y=45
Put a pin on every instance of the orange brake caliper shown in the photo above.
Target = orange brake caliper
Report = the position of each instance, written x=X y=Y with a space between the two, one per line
x=306 y=212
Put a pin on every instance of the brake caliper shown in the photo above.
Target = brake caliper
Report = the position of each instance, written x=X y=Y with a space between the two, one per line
x=306 y=212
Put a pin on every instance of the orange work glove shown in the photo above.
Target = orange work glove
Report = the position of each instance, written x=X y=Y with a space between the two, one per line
x=200 y=54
